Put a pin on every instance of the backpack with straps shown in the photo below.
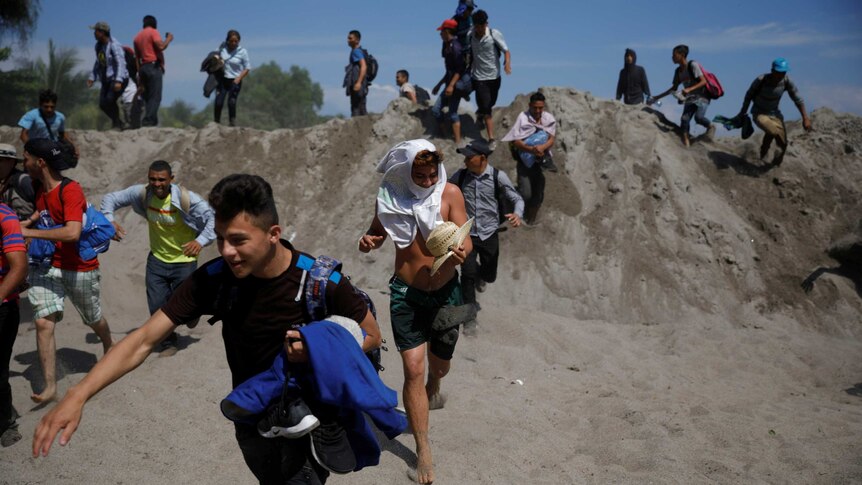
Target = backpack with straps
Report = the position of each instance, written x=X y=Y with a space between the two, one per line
x=502 y=204
x=131 y=63
x=185 y=198
x=422 y=95
x=316 y=273
x=371 y=66
x=713 y=89
x=65 y=146
x=95 y=238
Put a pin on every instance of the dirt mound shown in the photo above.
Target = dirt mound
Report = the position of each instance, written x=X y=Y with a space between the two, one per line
x=652 y=327
x=635 y=227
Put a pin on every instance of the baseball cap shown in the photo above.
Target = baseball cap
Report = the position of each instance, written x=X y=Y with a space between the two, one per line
x=478 y=147
x=448 y=24
x=8 y=151
x=101 y=26
x=47 y=150
x=780 y=65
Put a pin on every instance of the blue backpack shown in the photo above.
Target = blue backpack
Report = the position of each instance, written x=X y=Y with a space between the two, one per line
x=96 y=234
x=317 y=273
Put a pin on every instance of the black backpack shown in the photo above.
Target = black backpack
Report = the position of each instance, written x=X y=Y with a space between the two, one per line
x=131 y=63
x=371 y=67
x=422 y=95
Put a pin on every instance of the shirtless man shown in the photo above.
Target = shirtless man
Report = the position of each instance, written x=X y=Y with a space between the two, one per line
x=414 y=198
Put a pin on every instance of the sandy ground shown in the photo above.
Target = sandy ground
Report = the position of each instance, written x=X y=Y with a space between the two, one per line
x=650 y=330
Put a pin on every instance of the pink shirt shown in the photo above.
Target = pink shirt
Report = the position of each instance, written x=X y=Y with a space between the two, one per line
x=145 y=47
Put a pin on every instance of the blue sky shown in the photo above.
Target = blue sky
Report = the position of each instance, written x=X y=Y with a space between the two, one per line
x=553 y=43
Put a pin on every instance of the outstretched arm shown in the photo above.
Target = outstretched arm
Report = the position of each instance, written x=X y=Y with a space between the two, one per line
x=124 y=357
x=374 y=237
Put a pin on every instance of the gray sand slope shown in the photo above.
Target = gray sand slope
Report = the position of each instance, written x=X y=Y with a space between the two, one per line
x=651 y=329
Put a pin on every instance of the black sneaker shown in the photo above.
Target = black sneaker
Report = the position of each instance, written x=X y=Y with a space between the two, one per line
x=330 y=448
x=290 y=419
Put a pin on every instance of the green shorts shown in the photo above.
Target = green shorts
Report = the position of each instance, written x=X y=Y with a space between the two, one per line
x=50 y=285
x=414 y=315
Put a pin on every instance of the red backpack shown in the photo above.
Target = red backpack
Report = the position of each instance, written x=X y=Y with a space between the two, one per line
x=713 y=86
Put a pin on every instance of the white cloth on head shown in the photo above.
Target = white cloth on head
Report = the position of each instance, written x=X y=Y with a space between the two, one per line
x=403 y=206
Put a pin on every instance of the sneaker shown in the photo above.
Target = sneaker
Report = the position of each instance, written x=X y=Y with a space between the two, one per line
x=289 y=420
x=492 y=144
x=331 y=449
x=480 y=285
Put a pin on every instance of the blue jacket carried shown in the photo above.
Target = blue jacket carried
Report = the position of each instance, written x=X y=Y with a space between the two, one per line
x=198 y=215
x=340 y=375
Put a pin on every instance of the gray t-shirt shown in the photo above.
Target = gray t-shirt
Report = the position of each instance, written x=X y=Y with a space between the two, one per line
x=486 y=62
x=689 y=79
x=767 y=97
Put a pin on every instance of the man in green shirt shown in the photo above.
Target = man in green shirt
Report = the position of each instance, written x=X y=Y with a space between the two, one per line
x=180 y=225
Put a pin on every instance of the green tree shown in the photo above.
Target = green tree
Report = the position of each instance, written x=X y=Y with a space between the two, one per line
x=18 y=18
x=272 y=98
x=59 y=75
x=181 y=114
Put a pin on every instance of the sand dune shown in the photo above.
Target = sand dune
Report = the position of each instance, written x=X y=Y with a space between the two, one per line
x=651 y=329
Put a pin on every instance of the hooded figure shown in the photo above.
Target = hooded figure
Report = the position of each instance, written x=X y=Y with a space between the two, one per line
x=632 y=85
x=402 y=206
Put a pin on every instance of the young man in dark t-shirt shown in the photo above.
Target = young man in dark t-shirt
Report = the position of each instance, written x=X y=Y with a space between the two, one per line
x=256 y=288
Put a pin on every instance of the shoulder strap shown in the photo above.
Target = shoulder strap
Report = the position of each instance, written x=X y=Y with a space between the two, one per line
x=319 y=272
x=185 y=199
x=494 y=40
x=496 y=185
x=47 y=125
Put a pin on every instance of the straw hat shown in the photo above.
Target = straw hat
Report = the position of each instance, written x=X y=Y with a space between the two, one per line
x=445 y=237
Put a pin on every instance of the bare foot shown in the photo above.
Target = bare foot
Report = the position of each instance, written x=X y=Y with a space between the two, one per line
x=424 y=472
x=436 y=401
x=49 y=394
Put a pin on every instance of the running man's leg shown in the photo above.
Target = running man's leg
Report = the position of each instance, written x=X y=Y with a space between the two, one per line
x=47 y=348
x=46 y=297
x=158 y=282
x=415 y=396
x=469 y=273
x=84 y=291
x=489 y=254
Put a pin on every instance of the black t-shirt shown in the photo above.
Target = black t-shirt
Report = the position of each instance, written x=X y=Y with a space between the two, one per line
x=255 y=312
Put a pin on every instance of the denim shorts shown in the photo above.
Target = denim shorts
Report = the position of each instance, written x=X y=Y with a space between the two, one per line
x=414 y=316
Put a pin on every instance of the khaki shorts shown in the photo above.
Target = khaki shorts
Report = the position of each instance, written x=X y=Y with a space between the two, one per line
x=50 y=285
x=773 y=126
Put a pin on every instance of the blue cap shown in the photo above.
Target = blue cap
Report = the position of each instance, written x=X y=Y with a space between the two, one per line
x=780 y=65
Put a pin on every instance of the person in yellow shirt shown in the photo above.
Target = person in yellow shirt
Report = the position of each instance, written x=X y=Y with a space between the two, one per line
x=180 y=224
